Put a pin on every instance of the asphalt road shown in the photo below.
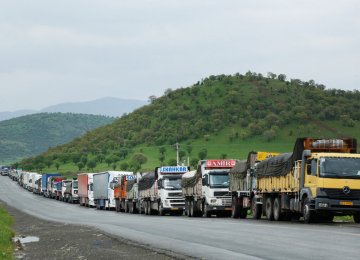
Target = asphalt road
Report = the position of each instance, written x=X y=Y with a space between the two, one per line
x=214 y=238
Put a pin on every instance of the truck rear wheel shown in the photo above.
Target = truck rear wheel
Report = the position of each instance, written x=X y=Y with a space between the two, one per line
x=269 y=210
x=277 y=209
x=117 y=205
x=236 y=208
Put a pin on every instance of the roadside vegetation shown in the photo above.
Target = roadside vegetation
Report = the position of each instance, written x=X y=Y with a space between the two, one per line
x=6 y=234
x=223 y=116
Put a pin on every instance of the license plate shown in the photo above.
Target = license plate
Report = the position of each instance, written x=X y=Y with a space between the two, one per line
x=174 y=209
x=228 y=208
x=346 y=203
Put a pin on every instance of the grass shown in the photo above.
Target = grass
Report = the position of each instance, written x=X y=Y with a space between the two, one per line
x=6 y=234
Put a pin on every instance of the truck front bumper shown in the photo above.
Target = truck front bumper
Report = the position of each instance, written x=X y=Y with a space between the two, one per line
x=339 y=207
x=219 y=208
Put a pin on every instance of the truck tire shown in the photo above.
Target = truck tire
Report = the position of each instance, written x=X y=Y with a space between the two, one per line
x=308 y=215
x=190 y=209
x=117 y=205
x=269 y=210
x=161 y=211
x=235 y=208
x=256 y=209
x=206 y=212
x=356 y=218
x=150 y=211
x=277 y=209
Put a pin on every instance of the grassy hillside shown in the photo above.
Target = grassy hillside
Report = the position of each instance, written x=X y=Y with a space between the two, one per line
x=33 y=134
x=221 y=116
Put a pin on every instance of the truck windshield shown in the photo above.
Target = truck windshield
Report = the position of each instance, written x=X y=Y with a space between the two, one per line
x=172 y=183
x=332 y=167
x=75 y=185
x=219 y=180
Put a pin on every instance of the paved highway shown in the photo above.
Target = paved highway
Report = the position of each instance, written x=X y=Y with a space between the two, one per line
x=214 y=238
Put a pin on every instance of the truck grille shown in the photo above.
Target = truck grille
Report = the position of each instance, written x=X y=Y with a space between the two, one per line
x=221 y=193
x=340 y=194
x=175 y=194
x=226 y=201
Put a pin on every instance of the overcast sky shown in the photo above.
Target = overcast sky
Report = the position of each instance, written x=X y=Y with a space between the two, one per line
x=65 y=51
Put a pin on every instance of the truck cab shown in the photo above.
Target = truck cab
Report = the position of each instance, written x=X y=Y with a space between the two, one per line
x=169 y=189
x=332 y=184
x=215 y=186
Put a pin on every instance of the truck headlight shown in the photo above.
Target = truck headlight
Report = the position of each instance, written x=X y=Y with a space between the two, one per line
x=166 y=203
x=213 y=200
x=321 y=192
x=323 y=205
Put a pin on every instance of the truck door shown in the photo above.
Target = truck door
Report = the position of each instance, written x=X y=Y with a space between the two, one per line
x=311 y=178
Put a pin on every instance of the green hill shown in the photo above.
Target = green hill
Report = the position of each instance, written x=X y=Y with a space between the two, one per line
x=220 y=116
x=33 y=134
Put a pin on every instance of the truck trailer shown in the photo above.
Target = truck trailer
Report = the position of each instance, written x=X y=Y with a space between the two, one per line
x=44 y=182
x=206 y=190
x=160 y=191
x=320 y=179
x=242 y=182
x=86 y=191
x=104 y=184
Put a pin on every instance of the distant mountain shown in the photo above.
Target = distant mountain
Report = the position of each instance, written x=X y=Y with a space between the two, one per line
x=108 y=106
x=32 y=134
x=12 y=114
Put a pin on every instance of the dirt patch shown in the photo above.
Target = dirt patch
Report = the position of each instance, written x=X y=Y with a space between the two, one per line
x=63 y=241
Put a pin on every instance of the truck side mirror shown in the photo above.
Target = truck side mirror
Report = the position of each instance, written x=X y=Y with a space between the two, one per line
x=205 y=180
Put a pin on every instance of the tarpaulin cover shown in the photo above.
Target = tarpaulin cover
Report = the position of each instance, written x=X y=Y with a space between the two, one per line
x=240 y=169
x=147 y=181
x=282 y=164
x=190 y=179
x=130 y=184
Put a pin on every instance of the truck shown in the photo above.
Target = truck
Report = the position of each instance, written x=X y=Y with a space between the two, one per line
x=206 y=189
x=86 y=191
x=120 y=192
x=132 y=195
x=71 y=191
x=320 y=179
x=242 y=182
x=36 y=183
x=160 y=191
x=51 y=188
x=26 y=180
x=104 y=184
x=44 y=182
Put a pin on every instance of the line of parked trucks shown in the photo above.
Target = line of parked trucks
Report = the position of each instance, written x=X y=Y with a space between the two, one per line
x=320 y=179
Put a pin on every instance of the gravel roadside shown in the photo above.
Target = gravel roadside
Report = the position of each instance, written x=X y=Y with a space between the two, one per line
x=64 y=241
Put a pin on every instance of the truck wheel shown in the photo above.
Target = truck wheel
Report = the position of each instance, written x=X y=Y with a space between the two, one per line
x=357 y=218
x=161 y=210
x=206 y=212
x=235 y=209
x=150 y=211
x=191 y=209
x=308 y=215
x=256 y=209
x=117 y=206
x=277 y=209
x=269 y=208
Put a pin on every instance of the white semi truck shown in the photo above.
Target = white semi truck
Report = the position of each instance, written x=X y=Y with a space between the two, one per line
x=160 y=191
x=206 y=190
